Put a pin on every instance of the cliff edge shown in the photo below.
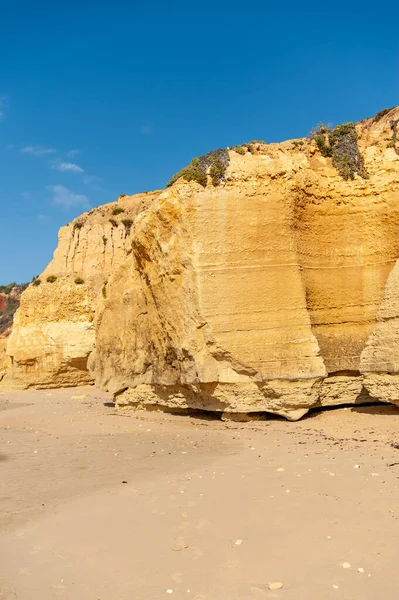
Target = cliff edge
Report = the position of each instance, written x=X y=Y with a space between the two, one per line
x=264 y=278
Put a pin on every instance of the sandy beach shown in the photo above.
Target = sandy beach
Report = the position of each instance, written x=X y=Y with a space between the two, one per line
x=98 y=504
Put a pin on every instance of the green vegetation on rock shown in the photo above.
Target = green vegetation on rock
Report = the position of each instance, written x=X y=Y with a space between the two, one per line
x=6 y=289
x=216 y=161
x=240 y=149
x=128 y=225
x=217 y=172
x=253 y=147
x=118 y=210
x=341 y=145
x=13 y=292
x=381 y=114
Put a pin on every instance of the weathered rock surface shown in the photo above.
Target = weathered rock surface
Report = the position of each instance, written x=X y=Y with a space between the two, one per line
x=54 y=329
x=274 y=291
x=10 y=298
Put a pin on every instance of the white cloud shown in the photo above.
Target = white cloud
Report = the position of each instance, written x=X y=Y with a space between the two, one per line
x=26 y=195
x=73 y=153
x=67 y=166
x=37 y=150
x=66 y=198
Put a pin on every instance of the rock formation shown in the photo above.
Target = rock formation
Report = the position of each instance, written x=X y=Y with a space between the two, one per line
x=54 y=329
x=270 y=284
x=10 y=297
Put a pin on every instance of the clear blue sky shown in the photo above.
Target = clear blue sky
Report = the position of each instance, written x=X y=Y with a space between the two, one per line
x=102 y=98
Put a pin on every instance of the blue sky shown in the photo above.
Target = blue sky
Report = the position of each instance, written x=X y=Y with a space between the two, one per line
x=103 y=98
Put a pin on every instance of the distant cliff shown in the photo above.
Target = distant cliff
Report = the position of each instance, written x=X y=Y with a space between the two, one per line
x=264 y=278
x=10 y=297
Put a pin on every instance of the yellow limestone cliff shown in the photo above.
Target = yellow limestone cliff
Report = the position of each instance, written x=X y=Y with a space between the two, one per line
x=54 y=329
x=276 y=290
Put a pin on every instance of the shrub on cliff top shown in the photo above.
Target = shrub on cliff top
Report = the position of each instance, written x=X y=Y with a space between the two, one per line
x=51 y=278
x=13 y=292
x=320 y=136
x=341 y=145
x=217 y=172
x=118 y=210
x=6 y=289
x=381 y=114
x=240 y=149
x=346 y=156
x=216 y=161
x=191 y=173
x=79 y=280
x=36 y=281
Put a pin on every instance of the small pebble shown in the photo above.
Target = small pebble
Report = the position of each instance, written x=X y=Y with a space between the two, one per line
x=360 y=570
x=346 y=565
x=238 y=542
x=275 y=585
x=169 y=591
x=280 y=470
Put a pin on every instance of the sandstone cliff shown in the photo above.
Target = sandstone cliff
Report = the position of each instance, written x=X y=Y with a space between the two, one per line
x=269 y=284
x=10 y=297
x=54 y=329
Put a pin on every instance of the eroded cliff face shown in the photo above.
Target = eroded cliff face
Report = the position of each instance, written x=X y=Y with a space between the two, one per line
x=275 y=290
x=55 y=328
x=10 y=297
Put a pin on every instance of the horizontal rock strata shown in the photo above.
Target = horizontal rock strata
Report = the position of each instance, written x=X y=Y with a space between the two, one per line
x=275 y=290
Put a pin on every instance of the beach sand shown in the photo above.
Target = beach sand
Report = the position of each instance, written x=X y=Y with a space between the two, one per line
x=98 y=504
